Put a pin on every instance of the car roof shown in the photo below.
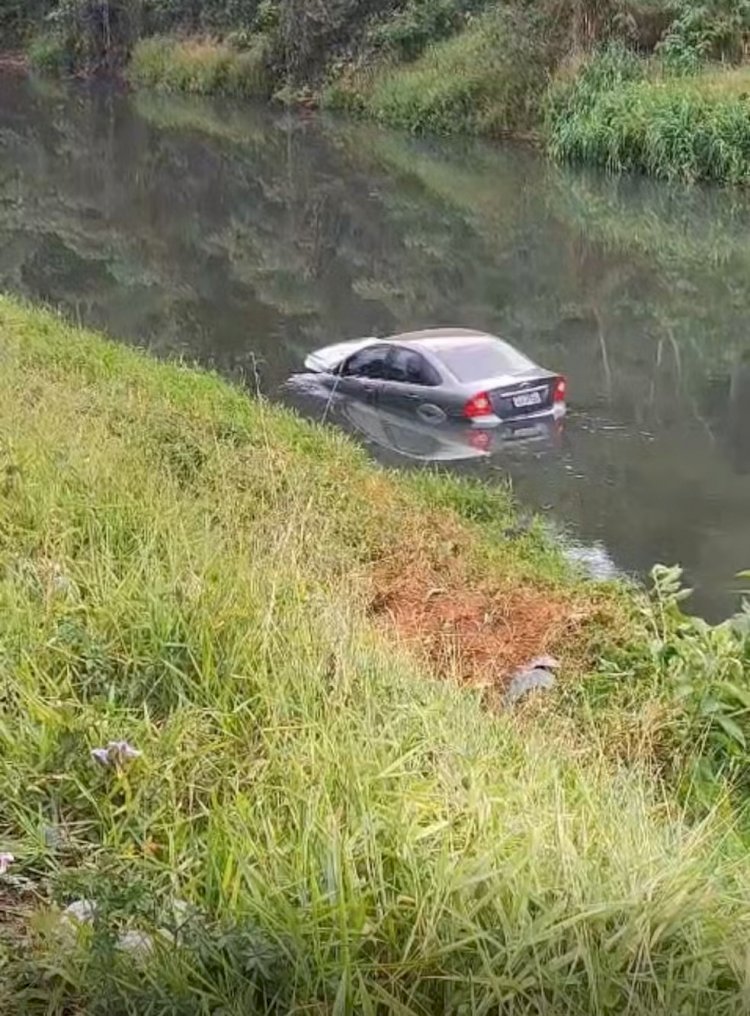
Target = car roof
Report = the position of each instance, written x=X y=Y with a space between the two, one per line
x=436 y=339
x=441 y=342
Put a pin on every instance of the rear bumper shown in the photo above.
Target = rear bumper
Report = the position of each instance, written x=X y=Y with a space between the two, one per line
x=555 y=413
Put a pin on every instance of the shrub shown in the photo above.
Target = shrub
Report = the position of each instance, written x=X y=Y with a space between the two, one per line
x=310 y=35
x=487 y=79
x=714 y=30
x=50 y=54
x=19 y=19
x=201 y=66
x=405 y=33
x=693 y=678
x=89 y=35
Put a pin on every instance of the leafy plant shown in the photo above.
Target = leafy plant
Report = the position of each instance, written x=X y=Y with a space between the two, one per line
x=707 y=674
x=405 y=33
x=716 y=30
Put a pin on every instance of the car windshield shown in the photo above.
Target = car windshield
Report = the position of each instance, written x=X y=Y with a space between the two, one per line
x=473 y=361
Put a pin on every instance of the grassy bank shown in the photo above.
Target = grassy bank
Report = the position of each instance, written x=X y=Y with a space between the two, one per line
x=486 y=80
x=621 y=113
x=499 y=77
x=315 y=820
x=201 y=66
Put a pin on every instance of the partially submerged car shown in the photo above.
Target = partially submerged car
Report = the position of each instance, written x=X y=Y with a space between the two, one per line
x=409 y=436
x=442 y=374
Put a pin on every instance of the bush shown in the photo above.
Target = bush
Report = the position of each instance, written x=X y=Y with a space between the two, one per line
x=164 y=16
x=310 y=36
x=486 y=80
x=19 y=19
x=405 y=33
x=100 y=34
x=715 y=30
x=201 y=66
x=50 y=54
x=692 y=680
x=616 y=116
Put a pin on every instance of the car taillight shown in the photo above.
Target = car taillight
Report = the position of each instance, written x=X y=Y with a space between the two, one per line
x=477 y=406
x=561 y=387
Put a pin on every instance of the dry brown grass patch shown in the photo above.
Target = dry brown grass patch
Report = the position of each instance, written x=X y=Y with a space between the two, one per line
x=477 y=632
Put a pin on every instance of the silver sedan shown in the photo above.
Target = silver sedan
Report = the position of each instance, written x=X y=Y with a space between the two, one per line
x=442 y=374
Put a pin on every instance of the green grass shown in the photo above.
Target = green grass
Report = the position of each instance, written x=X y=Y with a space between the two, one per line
x=488 y=80
x=690 y=127
x=189 y=568
x=200 y=66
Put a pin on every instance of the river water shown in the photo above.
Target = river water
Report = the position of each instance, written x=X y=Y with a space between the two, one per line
x=246 y=238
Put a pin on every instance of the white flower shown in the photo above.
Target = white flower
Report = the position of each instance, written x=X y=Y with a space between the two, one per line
x=117 y=753
x=6 y=860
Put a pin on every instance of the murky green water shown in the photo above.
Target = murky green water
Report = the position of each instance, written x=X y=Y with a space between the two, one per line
x=246 y=239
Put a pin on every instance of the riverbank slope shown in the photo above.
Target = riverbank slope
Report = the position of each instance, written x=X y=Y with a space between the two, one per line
x=307 y=654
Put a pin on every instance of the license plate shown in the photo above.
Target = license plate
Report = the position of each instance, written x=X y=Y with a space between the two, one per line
x=527 y=399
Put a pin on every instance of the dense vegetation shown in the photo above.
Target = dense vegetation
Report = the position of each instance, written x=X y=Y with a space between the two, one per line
x=623 y=114
x=468 y=66
x=313 y=821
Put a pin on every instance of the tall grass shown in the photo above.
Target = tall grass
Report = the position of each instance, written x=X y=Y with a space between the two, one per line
x=486 y=80
x=201 y=66
x=312 y=825
x=686 y=127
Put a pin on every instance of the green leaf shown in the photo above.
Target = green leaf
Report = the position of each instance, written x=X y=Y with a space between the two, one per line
x=732 y=729
x=735 y=691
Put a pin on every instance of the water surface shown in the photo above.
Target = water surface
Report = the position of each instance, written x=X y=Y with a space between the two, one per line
x=246 y=238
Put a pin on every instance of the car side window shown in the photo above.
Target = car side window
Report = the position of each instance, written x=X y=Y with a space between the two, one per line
x=410 y=367
x=371 y=362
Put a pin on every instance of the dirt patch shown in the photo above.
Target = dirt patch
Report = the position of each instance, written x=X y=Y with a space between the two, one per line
x=15 y=908
x=477 y=633
x=13 y=63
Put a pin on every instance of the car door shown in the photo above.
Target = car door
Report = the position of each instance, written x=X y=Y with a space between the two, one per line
x=411 y=385
x=362 y=375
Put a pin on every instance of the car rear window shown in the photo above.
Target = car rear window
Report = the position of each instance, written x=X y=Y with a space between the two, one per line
x=474 y=361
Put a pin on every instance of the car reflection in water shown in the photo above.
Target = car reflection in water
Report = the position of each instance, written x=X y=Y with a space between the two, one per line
x=411 y=437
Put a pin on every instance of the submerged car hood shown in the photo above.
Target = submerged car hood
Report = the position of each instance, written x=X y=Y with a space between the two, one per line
x=330 y=356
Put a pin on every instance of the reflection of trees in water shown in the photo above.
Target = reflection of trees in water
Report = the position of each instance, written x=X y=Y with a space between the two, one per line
x=231 y=235
x=738 y=428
